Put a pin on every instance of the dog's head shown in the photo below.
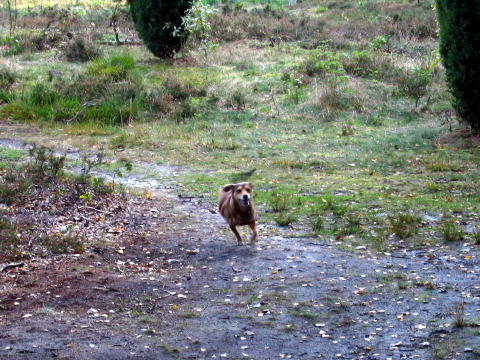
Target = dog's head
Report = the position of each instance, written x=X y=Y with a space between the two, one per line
x=241 y=193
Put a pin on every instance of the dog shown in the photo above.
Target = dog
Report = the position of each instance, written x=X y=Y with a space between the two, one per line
x=236 y=207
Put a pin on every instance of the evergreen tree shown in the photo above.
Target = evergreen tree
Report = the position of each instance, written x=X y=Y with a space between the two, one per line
x=460 y=50
x=156 y=20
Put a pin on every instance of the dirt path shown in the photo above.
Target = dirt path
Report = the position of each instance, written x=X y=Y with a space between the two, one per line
x=178 y=287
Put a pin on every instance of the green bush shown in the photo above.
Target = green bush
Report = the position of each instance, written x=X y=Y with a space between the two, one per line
x=155 y=22
x=460 y=50
x=414 y=84
x=45 y=163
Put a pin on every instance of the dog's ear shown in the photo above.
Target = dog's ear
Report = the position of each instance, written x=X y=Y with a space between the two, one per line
x=228 y=188
x=250 y=184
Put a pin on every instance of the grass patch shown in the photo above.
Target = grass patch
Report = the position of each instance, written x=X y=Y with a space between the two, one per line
x=116 y=68
x=167 y=349
x=285 y=218
x=307 y=314
x=404 y=225
x=451 y=232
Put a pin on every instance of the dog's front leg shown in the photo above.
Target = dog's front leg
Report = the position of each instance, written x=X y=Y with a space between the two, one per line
x=253 y=226
x=235 y=231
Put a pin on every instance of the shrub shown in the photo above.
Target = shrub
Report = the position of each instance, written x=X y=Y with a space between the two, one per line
x=322 y=64
x=80 y=50
x=155 y=22
x=460 y=50
x=414 y=84
x=161 y=103
x=46 y=163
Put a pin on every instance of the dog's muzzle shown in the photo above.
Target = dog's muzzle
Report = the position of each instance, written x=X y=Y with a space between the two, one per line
x=244 y=200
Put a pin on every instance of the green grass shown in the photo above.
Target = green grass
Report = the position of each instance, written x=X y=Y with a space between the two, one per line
x=334 y=135
x=10 y=155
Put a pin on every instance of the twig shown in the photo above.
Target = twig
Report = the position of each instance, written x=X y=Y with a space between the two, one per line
x=11 y=266
x=92 y=208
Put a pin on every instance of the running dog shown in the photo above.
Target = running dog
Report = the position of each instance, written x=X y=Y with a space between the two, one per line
x=236 y=207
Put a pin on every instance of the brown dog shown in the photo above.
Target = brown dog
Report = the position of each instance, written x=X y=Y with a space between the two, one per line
x=236 y=207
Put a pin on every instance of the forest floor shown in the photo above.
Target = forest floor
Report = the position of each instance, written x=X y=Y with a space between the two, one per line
x=172 y=284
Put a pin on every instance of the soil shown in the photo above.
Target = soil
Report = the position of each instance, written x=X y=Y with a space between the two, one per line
x=174 y=285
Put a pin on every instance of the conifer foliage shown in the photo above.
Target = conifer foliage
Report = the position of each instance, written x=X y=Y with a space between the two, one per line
x=155 y=22
x=460 y=50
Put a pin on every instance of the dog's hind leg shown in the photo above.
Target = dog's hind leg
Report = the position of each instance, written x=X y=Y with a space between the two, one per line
x=253 y=226
x=235 y=231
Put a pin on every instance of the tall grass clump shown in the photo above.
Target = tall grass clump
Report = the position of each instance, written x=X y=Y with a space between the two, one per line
x=404 y=225
x=7 y=80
